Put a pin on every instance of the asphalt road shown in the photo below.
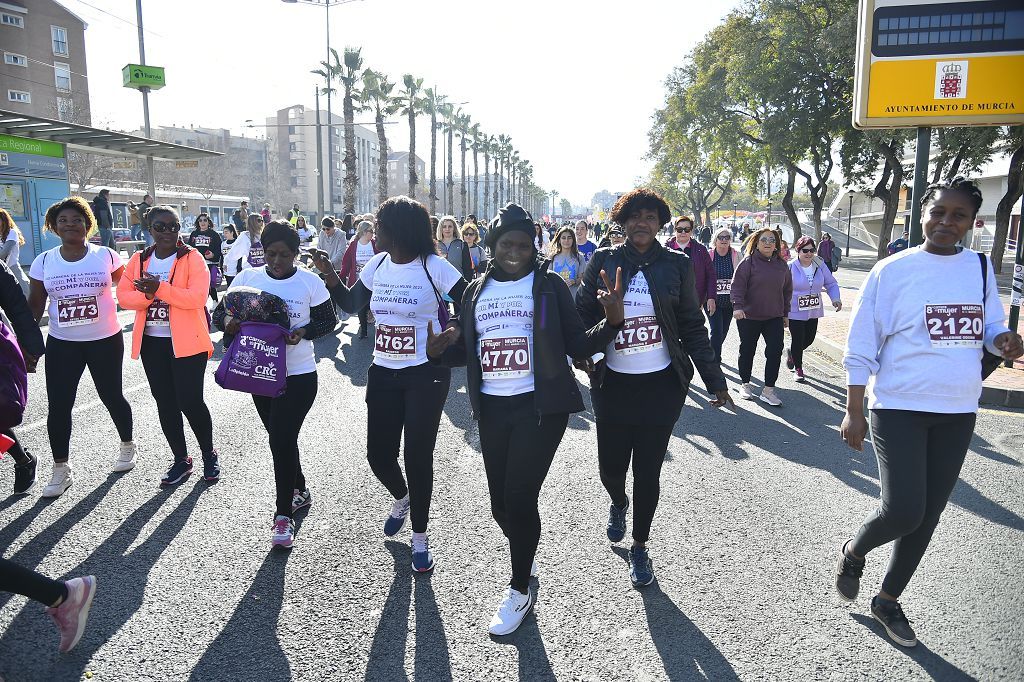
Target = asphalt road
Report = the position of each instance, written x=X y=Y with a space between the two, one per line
x=754 y=506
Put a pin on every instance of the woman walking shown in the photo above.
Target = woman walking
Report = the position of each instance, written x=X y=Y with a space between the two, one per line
x=724 y=259
x=311 y=315
x=78 y=280
x=917 y=337
x=207 y=242
x=359 y=252
x=449 y=242
x=566 y=260
x=474 y=258
x=166 y=285
x=518 y=324
x=761 y=292
x=405 y=394
x=810 y=277
x=247 y=251
x=639 y=388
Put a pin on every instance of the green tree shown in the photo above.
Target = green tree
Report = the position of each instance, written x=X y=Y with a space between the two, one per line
x=462 y=121
x=962 y=151
x=1011 y=142
x=863 y=154
x=432 y=104
x=347 y=69
x=566 y=208
x=412 y=103
x=376 y=96
x=474 y=133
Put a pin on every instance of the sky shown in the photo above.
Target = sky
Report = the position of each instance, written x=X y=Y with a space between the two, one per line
x=574 y=83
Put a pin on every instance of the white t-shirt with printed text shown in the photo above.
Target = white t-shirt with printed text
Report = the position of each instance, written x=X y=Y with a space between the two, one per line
x=158 y=321
x=638 y=347
x=504 y=329
x=81 y=293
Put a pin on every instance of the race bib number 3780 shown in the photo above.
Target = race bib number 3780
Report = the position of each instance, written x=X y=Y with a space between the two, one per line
x=956 y=325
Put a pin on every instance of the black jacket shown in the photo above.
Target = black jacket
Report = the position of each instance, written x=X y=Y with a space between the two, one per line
x=557 y=332
x=670 y=280
x=14 y=305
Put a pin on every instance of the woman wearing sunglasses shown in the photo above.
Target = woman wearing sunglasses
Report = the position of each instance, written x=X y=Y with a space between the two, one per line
x=474 y=258
x=810 y=276
x=206 y=241
x=761 y=292
x=703 y=272
x=78 y=279
x=724 y=260
x=166 y=285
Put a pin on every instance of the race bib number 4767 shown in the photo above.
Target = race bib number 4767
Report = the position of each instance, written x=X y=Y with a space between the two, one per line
x=638 y=335
x=956 y=325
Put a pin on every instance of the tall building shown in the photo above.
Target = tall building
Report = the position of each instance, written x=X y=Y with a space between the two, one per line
x=398 y=176
x=291 y=135
x=43 y=71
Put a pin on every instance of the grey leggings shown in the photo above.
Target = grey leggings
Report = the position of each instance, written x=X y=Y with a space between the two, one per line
x=919 y=459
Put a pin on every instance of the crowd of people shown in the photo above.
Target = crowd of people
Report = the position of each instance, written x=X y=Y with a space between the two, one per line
x=513 y=304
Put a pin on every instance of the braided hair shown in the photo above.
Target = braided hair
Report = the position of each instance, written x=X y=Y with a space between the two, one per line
x=957 y=184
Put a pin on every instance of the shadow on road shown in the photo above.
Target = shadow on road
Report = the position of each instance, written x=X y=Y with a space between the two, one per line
x=530 y=649
x=936 y=666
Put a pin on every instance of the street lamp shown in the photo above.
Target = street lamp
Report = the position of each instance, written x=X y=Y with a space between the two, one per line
x=849 y=222
x=734 y=217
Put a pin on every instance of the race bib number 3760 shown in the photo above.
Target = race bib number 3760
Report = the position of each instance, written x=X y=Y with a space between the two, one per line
x=395 y=342
x=956 y=325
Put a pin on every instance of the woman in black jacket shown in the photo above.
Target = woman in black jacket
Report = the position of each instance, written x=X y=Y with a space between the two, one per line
x=638 y=389
x=518 y=323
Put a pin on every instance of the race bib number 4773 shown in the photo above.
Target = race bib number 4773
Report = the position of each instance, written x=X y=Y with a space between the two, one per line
x=77 y=310
x=395 y=342
x=956 y=325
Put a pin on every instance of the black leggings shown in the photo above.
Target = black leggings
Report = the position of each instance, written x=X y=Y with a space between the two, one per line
x=774 y=337
x=65 y=363
x=20 y=580
x=409 y=399
x=517 y=454
x=364 y=314
x=802 y=333
x=283 y=417
x=15 y=451
x=919 y=459
x=177 y=387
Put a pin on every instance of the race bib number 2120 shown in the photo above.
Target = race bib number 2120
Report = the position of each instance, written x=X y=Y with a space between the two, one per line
x=957 y=325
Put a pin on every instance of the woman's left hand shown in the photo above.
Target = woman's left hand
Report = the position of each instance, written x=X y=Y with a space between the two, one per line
x=838 y=305
x=785 y=322
x=1010 y=345
x=611 y=298
x=296 y=336
x=147 y=284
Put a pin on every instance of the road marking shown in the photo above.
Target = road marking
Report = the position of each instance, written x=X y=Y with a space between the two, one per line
x=81 y=408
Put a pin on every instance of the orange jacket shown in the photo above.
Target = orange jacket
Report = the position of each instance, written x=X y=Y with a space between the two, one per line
x=185 y=292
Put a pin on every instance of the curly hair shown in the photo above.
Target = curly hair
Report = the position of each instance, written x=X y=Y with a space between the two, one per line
x=639 y=199
x=77 y=204
x=957 y=184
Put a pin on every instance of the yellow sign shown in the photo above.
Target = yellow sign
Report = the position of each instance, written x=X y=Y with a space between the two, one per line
x=123 y=165
x=939 y=63
x=186 y=164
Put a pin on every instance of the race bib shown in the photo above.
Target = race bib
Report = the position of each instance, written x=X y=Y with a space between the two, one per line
x=723 y=287
x=395 y=342
x=77 y=310
x=158 y=314
x=505 y=358
x=256 y=258
x=958 y=325
x=638 y=335
x=201 y=242
x=809 y=302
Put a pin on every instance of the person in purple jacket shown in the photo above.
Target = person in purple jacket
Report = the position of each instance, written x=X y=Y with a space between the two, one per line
x=703 y=270
x=761 y=290
x=810 y=276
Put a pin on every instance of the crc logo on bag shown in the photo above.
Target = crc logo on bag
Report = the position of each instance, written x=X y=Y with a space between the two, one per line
x=255 y=362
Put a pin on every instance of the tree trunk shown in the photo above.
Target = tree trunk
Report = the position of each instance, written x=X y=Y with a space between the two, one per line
x=433 y=162
x=382 y=160
x=1014 y=189
x=476 y=182
x=954 y=166
x=412 y=152
x=450 y=184
x=351 y=178
x=497 y=182
x=890 y=194
x=462 y=183
x=787 y=201
x=487 y=186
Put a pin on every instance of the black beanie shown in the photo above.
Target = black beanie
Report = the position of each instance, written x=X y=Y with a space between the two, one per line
x=512 y=217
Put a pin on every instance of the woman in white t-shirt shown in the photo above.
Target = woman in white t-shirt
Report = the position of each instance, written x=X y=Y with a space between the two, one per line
x=404 y=285
x=78 y=279
x=312 y=315
x=358 y=253
x=11 y=241
x=247 y=251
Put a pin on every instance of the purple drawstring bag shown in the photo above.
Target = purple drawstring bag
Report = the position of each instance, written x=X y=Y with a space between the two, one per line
x=215 y=276
x=13 y=380
x=255 y=361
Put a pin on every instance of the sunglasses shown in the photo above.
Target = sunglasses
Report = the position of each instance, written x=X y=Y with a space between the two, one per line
x=724 y=238
x=806 y=250
x=766 y=240
x=467 y=233
x=684 y=229
x=160 y=228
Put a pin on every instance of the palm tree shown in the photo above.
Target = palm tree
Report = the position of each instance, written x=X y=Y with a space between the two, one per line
x=412 y=103
x=487 y=147
x=449 y=126
x=432 y=102
x=504 y=150
x=376 y=95
x=462 y=127
x=346 y=69
x=474 y=132
x=513 y=168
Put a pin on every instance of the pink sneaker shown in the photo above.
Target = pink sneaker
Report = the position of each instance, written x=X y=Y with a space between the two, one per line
x=72 y=613
x=800 y=378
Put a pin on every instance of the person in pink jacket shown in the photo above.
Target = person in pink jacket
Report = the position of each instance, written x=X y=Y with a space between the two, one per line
x=810 y=276
x=167 y=285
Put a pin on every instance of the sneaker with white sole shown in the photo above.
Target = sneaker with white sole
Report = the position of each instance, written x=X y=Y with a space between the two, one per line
x=800 y=377
x=126 y=459
x=747 y=391
x=283 y=534
x=511 y=613
x=422 y=559
x=60 y=481
x=897 y=625
x=396 y=519
x=769 y=396
x=25 y=475
x=301 y=499
x=534 y=569
x=72 y=614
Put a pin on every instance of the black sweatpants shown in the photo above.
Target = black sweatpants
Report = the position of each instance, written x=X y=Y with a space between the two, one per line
x=919 y=459
x=802 y=333
x=65 y=363
x=518 y=448
x=15 y=451
x=20 y=580
x=177 y=387
x=410 y=400
x=283 y=417
x=774 y=338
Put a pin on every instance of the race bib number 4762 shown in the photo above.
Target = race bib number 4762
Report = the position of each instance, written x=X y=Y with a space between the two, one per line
x=956 y=325
x=395 y=342
x=77 y=310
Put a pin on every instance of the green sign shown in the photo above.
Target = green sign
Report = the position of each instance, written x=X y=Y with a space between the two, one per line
x=24 y=145
x=139 y=76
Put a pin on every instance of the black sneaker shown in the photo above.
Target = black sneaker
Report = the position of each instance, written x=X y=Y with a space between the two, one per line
x=848 y=572
x=617 y=521
x=641 y=570
x=790 y=363
x=301 y=499
x=25 y=475
x=211 y=466
x=890 y=615
x=178 y=472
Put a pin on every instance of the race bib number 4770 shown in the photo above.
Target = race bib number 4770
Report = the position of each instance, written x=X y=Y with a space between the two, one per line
x=395 y=342
x=956 y=325
x=77 y=310
x=505 y=358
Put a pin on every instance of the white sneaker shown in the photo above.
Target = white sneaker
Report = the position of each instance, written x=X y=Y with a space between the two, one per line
x=511 y=612
x=768 y=396
x=534 y=569
x=747 y=391
x=126 y=460
x=60 y=481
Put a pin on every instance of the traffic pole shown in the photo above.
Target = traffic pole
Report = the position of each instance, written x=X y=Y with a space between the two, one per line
x=1017 y=288
x=924 y=139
